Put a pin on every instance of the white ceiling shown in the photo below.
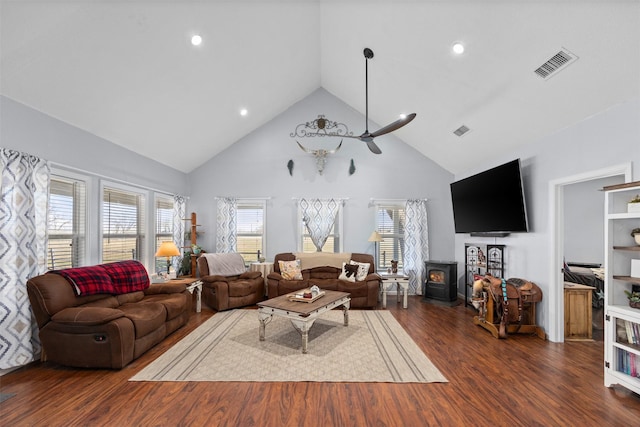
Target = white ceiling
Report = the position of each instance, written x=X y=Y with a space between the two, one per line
x=126 y=71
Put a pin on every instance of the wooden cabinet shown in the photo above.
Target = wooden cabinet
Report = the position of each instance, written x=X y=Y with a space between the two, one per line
x=622 y=322
x=577 y=312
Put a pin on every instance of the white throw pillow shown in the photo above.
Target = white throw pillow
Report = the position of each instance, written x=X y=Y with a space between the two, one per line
x=349 y=272
x=363 y=270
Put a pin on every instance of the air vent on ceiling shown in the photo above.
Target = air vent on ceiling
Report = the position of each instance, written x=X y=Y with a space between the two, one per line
x=556 y=63
x=461 y=130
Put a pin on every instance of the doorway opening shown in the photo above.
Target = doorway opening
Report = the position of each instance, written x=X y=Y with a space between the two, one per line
x=557 y=227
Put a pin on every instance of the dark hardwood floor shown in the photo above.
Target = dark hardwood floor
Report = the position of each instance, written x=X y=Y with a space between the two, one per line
x=520 y=381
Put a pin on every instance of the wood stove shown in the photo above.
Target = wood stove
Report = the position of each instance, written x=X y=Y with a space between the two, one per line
x=441 y=283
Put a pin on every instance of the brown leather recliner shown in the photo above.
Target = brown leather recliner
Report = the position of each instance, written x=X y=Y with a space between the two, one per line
x=225 y=291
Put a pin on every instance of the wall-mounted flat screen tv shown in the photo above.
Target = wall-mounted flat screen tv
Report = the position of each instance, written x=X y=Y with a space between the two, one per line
x=491 y=201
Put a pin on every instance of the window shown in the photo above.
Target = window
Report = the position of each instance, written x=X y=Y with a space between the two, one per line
x=390 y=221
x=123 y=225
x=333 y=242
x=66 y=223
x=250 y=229
x=164 y=227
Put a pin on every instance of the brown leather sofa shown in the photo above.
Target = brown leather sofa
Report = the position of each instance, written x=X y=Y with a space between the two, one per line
x=363 y=293
x=104 y=330
x=224 y=292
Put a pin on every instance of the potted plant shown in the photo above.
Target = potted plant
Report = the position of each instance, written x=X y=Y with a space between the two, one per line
x=635 y=233
x=634 y=204
x=634 y=298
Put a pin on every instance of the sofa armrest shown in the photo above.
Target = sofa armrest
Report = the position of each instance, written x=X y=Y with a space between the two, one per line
x=250 y=275
x=86 y=316
x=275 y=276
x=165 y=288
x=373 y=276
x=213 y=279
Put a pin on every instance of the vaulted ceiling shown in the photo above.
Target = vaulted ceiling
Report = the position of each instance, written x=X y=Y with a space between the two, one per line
x=127 y=71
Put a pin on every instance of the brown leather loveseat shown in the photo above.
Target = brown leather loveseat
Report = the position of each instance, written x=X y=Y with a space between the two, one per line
x=104 y=316
x=324 y=269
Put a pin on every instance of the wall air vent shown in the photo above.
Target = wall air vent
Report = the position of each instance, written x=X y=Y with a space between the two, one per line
x=461 y=130
x=556 y=63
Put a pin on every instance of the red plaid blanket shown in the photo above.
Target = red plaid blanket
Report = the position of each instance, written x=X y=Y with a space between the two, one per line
x=87 y=280
x=115 y=278
x=127 y=276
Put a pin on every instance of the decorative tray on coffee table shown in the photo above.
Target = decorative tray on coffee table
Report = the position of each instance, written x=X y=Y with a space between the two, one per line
x=298 y=296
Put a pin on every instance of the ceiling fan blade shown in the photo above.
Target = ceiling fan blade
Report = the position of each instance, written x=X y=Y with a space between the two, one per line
x=393 y=126
x=372 y=146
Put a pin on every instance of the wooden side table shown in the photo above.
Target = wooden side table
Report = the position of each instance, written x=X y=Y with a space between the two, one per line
x=577 y=312
x=401 y=282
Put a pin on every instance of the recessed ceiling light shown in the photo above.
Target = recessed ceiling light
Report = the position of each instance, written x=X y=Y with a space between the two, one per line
x=244 y=112
x=403 y=116
x=457 y=48
x=196 y=40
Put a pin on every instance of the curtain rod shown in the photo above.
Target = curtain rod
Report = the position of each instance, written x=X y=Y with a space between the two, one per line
x=397 y=200
x=242 y=198
x=322 y=198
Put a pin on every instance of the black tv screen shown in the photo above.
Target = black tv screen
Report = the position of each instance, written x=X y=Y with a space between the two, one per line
x=491 y=201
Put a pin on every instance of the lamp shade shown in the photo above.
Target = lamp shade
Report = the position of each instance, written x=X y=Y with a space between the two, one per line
x=168 y=249
x=375 y=237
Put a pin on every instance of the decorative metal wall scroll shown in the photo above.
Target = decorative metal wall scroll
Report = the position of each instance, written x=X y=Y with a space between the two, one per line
x=320 y=127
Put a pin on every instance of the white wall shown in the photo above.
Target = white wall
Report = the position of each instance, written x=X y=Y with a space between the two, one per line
x=255 y=166
x=584 y=220
x=604 y=140
x=25 y=129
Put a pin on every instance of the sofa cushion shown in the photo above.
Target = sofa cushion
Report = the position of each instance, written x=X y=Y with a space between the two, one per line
x=146 y=317
x=130 y=297
x=290 y=270
x=363 y=270
x=310 y=260
x=174 y=304
x=86 y=316
x=241 y=288
x=349 y=272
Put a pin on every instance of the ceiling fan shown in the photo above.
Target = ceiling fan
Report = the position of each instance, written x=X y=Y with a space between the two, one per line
x=367 y=136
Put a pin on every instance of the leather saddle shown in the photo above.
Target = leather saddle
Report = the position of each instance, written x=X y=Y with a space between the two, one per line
x=510 y=296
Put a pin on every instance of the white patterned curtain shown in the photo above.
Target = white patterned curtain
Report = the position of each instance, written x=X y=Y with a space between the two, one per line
x=416 y=243
x=24 y=193
x=226 y=238
x=179 y=208
x=318 y=216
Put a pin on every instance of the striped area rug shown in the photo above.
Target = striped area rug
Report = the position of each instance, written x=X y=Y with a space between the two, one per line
x=373 y=348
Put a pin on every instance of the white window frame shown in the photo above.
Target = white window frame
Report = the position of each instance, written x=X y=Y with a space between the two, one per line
x=246 y=203
x=62 y=174
x=166 y=236
x=149 y=216
x=395 y=205
x=338 y=230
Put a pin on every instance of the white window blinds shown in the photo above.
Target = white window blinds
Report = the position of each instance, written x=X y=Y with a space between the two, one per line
x=66 y=223
x=123 y=225
x=250 y=226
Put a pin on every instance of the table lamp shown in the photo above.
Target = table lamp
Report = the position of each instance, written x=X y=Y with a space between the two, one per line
x=375 y=238
x=168 y=249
